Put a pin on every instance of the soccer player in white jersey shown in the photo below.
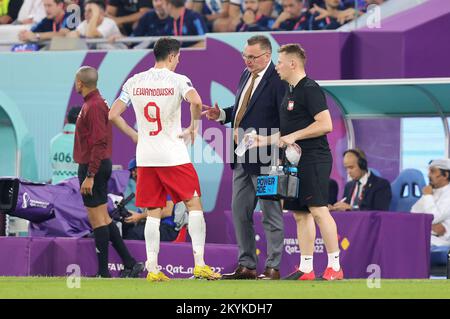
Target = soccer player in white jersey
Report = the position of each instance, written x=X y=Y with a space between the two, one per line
x=164 y=165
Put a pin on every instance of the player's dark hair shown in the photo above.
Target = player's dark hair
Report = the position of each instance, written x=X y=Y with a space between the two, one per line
x=295 y=49
x=262 y=40
x=73 y=114
x=177 y=3
x=164 y=47
x=100 y=3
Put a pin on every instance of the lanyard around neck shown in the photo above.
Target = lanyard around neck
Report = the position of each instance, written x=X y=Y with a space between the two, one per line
x=55 y=24
x=300 y=21
x=245 y=26
x=179 y=32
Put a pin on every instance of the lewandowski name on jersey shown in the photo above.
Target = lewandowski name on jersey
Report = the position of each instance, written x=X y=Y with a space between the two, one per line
x=153 y=92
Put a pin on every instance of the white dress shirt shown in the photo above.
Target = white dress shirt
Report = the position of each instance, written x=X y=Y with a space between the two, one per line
x=32 y=9
x=222 y=115
x=437 y=204
x=107 y=28
x=363 y=181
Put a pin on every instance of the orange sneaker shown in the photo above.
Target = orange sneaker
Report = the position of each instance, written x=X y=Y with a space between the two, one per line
x=331 y=274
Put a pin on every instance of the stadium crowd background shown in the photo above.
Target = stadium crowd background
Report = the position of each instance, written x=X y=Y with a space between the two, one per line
x=115 y=19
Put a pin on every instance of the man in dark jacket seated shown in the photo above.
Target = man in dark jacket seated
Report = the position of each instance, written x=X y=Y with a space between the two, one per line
x=251 y=20
x=365 y=191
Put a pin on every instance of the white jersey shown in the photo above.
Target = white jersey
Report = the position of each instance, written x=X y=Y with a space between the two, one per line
x=156 y=95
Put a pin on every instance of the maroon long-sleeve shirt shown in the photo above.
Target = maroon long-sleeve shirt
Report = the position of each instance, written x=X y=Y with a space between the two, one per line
x=93 y=133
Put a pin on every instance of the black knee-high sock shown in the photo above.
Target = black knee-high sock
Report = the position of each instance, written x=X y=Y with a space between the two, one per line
x=101 y=235
x=119 y=245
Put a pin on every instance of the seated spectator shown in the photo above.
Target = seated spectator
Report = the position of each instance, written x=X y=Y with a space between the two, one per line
x=56 y=23
x=353 y=3
x=236 y=8
x=277 y=8
x=174 y=216
x=347 y=11
x=9 y=9
x=213 y=11
x=131 y=185
x=252 y=20
x=32 y=11
x=184 y=21
x=266 y=7
x=126 y=13
x=154 y=22
x=293 y=17
x=233 y=17
x=365 y=191
x=96 y=24
x=61 y=150
x=325 y=15
x=435 y=200
x=134 y=226
x=361 y=5
x=376 y=2
x=352 y=12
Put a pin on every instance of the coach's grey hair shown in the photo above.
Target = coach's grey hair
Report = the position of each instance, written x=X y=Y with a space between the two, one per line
x=262 y=40
x=88 y=76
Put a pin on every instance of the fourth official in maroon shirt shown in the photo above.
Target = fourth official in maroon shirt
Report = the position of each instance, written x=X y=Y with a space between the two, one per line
x=93 y=135
x=92 y=151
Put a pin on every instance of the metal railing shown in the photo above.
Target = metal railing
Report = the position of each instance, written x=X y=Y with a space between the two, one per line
x=143 y=42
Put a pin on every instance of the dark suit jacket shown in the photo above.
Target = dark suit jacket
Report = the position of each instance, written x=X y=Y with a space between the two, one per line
x=261 y=114
x=376 y=194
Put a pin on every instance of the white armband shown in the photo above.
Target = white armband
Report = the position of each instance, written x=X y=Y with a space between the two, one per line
x=125 y=97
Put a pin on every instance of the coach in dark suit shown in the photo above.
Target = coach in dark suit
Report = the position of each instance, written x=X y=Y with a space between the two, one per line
x=365 y=191
x=259 y=95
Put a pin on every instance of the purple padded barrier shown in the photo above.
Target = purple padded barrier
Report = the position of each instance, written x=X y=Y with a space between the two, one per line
x=2 y=224
x=14 y=256
x=41 y=256
x=26 y=256
x=78 y=251
x=398 y=242
x=176 y=259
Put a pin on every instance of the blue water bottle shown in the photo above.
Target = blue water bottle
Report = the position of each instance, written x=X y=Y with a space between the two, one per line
x=291 y=170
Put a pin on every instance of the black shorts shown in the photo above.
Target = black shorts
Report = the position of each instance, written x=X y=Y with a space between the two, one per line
x=100 y=190
x=314 y=187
